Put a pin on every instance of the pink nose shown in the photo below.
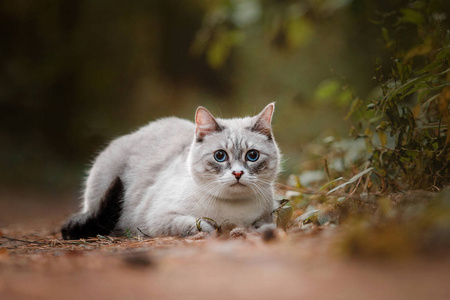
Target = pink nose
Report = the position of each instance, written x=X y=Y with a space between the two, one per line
x=237 y=174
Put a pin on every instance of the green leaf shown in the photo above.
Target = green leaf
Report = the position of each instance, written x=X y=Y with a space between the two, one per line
x=411 y=16
x=421 y=49
x=385 y=34
x=405 y=87
x=344 y=97
x=327 y=90
x=299 y=32
x=356 y=104
x=220 y=48
x=443 y=53
x=382 y=137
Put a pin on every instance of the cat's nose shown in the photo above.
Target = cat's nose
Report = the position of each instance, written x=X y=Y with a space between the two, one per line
x=237 y=174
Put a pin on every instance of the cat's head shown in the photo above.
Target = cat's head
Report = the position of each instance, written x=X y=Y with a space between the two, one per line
x=234 y=158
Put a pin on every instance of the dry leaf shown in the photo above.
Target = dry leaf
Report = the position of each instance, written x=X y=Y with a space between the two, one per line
x=4 y=253
x=284 y=216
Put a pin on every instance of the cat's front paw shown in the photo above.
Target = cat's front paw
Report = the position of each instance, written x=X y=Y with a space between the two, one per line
x=201 y=226
x=205 y=225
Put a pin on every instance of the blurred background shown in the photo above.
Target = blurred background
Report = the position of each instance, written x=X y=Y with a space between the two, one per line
x=76 y=74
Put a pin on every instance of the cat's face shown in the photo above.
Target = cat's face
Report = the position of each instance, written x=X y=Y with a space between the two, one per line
x=235 y=158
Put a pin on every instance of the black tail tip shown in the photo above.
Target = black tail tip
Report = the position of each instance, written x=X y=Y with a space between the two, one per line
x=103 y=221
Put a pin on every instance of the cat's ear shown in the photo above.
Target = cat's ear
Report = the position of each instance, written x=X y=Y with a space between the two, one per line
x=263 y=121
x=205 y=123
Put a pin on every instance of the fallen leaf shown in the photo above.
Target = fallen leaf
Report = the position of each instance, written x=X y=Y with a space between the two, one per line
x=284 y=216
x=4 y=253
x=307 y=215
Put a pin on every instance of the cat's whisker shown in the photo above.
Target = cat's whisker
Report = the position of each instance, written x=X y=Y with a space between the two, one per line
x=218 y=190
x=256 y=195
x=266 y=196
x=204 y=189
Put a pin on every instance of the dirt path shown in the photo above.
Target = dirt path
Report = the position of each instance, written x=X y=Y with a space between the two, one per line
x=296 y=266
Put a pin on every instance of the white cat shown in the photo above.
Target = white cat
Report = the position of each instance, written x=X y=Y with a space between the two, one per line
x=173 y=177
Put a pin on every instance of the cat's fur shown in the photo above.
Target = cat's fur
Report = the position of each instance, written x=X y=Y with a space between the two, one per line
x=164 y=178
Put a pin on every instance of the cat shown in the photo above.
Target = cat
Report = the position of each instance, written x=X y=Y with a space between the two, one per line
x=176 y=178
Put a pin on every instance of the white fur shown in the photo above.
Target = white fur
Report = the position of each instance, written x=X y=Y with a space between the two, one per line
x=162 y=167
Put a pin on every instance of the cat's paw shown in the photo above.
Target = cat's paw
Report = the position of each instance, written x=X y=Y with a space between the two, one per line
x=197 y=226
x=204 y=225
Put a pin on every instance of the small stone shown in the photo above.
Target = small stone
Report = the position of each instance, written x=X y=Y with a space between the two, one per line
x=138 y=260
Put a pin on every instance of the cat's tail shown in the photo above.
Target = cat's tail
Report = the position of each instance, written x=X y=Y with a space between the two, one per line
x=103 y=221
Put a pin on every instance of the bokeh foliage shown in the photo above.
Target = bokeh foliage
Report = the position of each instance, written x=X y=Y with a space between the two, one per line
x=76 y=74
x=406 y=125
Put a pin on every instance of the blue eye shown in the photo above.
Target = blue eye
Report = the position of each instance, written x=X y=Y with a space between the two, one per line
x=220 y=155
x=252 y=155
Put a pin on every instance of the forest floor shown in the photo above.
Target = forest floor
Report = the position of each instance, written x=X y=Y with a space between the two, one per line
x=36 y=264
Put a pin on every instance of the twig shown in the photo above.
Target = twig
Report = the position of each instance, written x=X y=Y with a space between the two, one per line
x=366 y=185
x=356 y=187
x=327 y=171
x=325 y=193
x=23 y=241
x=53 y=242
x=146 y=235
x=293 y=188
